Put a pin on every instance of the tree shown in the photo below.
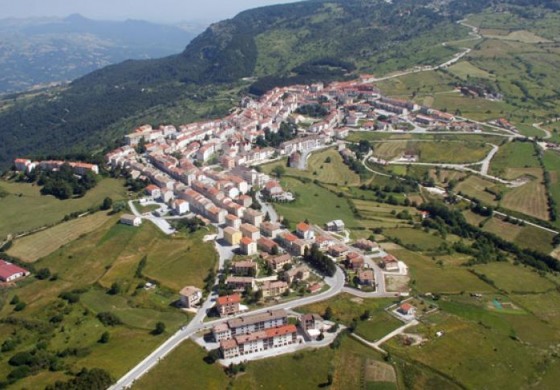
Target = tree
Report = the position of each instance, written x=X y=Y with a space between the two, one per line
x=115 y=289
x=279 y=171
x=107 y=203
x=104 y=339
x=159 y=329
x=328 y=313
x=15 y=300
x=43 y=273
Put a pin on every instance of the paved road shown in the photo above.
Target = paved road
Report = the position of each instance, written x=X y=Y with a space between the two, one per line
x=267 y=208
x=197 y=324
x=161 y=223
x=376 y=345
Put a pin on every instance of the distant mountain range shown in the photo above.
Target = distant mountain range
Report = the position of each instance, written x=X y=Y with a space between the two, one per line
x=36 y=52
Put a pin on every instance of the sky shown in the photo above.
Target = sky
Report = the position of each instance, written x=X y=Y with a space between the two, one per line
x=166 y=11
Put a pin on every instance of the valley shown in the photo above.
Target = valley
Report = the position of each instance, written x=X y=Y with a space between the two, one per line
x=415 y=211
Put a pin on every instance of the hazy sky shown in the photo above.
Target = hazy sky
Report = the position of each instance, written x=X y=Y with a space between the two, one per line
x=170 y=11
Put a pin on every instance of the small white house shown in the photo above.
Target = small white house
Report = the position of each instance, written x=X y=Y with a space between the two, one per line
x=180 y=206
x=132 y=220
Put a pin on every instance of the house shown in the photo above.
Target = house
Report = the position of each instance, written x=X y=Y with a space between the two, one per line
x=273 y=288
x=180 y=206
x=286 y=239
x=254 y=217
x=354 y=261
x=277 y=262
x=241 y=283
x=303 y=230
x=10 y=272
x=272 y=189
x=153 y=191
x=366 y=245
x=245 y=268
x=233 y=237
x=335 y=226
x=244 y=200
x=270 y=229
x=297 y=273
x=324 y=242
x=252 y=323
x=259 y=341
x=190 y=296
x=233 y=221
x=407 y=309
x=250 y=231
x=366 y=277
x=312 y=324
x=221 y=332
x=390 y=263
x=248 y=246
x=267 y=245
x=338 y=250
x=132 y=220
x=228 y=304
x=298 y=247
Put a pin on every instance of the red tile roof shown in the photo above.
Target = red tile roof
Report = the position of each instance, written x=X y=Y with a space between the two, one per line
x=7 y=270
x=235 y=298
x=280 y=331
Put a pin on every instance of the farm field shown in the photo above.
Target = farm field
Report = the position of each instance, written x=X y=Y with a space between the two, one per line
x=434 y=151
x=529 y=198
x=474 y=187
x=525 y=236
x=552 y=164
x=35 y=246
x=513 y=155
x=302 y=370
x=465 y=70
x=518 y=279
x=318 y=169
x=184 y=365
x=24 y=208
x=86 y=268
x=427 y=276
x=334 y=172
x=312 y=202
x=414 y=237
x=492 y=354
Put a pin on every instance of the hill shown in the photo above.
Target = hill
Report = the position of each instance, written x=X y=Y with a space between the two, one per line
x=35 y=52
x=279 y=44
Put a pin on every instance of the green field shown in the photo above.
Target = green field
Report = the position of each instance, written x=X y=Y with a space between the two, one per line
x=530 y=198
x=427 y=276
x=415 y=237
x=308 y=369
x=26 y=209
x=516 y=278
x=552 y=164
x=43 y=243
x=314 y=203
x=525 y=236
x=92 y=263
x=183 y=368
x=466 y=70
x=474 y=187
x=333 y=172
x=513 y=155
x=434 y=151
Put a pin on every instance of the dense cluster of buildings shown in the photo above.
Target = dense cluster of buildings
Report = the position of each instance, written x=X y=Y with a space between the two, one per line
x=80 y=168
